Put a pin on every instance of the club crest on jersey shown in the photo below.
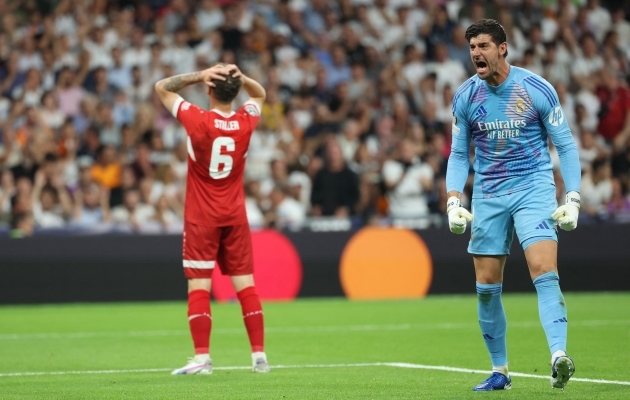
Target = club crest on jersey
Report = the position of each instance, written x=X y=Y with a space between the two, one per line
x=520 y=107
x=251 y=110
x=556 y=117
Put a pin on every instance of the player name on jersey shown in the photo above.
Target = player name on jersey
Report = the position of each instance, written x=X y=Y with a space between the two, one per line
x=226 y=125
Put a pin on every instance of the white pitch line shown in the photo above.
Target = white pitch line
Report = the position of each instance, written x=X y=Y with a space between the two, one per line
x=480 y=371
x=354 y=365
x=302 y=329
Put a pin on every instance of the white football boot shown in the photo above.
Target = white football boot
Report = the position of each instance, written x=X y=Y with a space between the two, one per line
x=259 y=362
x=199 y=364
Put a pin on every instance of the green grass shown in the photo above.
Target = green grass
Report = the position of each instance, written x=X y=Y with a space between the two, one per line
x=438 y=331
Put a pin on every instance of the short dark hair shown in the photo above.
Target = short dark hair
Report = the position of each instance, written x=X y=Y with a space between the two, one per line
x=227 y=90
x=487 y=27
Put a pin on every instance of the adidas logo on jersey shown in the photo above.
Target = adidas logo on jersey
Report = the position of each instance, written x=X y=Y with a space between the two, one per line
x=481 y=111
x=543 y=225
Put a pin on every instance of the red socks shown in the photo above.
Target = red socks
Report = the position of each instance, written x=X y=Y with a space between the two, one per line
x=200 y=320
x=253 y=317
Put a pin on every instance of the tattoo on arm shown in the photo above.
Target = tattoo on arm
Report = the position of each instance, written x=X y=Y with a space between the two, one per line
x=178 y=82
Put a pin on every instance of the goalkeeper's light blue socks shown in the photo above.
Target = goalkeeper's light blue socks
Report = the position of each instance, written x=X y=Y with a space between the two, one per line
x=493 y=324
x=552 y=310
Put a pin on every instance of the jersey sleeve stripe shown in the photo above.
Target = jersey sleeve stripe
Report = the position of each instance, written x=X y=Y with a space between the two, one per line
x=176 y=105
x=461 y=90
x=252 y=102
x=542 y=88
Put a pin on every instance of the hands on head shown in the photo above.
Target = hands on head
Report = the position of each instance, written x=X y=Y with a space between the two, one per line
x=220 y=72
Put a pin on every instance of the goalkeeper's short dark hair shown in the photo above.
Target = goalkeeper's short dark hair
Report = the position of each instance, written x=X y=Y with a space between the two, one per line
x=227 y=90
x=488 y=27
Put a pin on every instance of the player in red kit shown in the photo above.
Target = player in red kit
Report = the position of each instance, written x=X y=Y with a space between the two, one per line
x=216 y=231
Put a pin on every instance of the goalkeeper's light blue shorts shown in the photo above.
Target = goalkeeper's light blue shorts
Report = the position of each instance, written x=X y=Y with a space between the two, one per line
x=526 y=211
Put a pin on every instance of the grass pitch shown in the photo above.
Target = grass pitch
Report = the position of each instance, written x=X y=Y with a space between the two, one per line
x=321 y=349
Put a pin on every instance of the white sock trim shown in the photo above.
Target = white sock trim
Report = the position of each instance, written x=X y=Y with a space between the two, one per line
x=199 y=358
x=556 y=354
x=502 y=369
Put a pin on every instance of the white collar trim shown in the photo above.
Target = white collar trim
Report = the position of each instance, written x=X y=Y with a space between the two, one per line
x=221 y=113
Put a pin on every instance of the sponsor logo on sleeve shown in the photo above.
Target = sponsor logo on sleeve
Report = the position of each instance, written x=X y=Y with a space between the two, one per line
x=556 y=117
x=251 y=110
x=185 y=106
x=455 y=128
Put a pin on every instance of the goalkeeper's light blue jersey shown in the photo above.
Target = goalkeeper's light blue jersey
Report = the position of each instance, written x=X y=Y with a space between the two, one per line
x=510 y=125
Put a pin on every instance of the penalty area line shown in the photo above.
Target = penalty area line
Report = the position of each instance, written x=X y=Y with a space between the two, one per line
x=354 y=365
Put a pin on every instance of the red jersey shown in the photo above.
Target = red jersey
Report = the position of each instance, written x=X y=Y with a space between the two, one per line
x=615 y=106
x=217 y=147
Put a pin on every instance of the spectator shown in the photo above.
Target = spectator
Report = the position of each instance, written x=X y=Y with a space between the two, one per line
x=614 y=122
x=209 y=16
x=335 y=187
x=619 y=205
x=31 y=91
x=289 y=213
x=349 y=139
x=50 y=113
x=119 y=74
x=22 y=225
x=51 y=203
x=589 y=150
x=180 y=56
x=448 y=71
x=132 y=213
x=30 y=58
x=106 y=170
x=68 y=91
x=7 y=191
x=588 y=63
x=137 y=54
x=367 y=76
x=408 y=180
x=91 y=206
x=459 y=50
x=596 y=188
x=99 y=49
x=10 y=75
x=338 y=71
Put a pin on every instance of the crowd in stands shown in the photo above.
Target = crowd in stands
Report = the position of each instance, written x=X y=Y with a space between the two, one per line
x=355 y=129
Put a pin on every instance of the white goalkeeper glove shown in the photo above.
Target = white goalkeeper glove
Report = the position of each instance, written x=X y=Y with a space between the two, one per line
x=567 y=215
x=458 y=216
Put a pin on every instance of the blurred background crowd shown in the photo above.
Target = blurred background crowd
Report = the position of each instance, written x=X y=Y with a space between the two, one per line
x=355 y=129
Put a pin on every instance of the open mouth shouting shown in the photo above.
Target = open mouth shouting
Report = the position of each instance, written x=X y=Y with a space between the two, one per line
x=482 y=66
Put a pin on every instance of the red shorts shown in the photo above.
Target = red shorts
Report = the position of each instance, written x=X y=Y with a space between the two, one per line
x=205 y=246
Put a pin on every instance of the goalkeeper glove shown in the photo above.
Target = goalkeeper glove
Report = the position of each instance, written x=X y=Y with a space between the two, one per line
x=567 y=215
x=458 y=216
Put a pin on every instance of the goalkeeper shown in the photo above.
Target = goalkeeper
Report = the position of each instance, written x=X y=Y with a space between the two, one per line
x=509 y=113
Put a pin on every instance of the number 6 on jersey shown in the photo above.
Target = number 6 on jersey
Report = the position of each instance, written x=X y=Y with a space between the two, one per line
x=216 y=158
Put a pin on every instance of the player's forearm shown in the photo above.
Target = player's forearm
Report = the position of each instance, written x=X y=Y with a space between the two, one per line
x=456 y=174
x=253 y=88
x=178 y=82
x=570 y=168
x=569 y=160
